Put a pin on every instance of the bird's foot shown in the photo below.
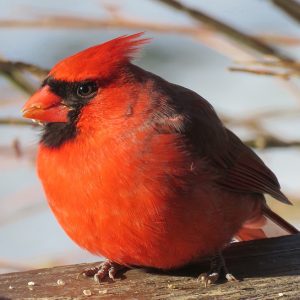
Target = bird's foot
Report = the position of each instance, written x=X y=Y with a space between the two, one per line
x=106 y=269
x=209 y=278
x=217 y=267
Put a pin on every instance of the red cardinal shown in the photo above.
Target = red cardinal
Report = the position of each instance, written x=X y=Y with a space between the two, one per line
x=142 y=171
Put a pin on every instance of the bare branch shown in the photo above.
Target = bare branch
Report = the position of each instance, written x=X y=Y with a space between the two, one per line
x=203 y=34
x=275 y=63
x=10 y=66
x=290 y=7
x=282 y=69
x=264 y=139
x=263 y=142
x=279 y=39
x=72 y=22
x=17 y=122
x=270 y=54
x=284 y=75
x=236 y=35
x=18 y=80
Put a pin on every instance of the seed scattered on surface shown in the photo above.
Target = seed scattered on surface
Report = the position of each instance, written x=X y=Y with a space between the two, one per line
x=280 y=294
x=31 y=283
x=87 y=292
x=171 y=286
x=60 y=282
x=10 y=287
x=103 y=292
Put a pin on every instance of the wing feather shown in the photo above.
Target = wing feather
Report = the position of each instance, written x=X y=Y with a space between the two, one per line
x=238 y=168
x=248 y=173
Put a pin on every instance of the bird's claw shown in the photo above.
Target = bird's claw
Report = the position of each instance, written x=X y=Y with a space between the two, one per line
x=106 y=269
x=217 y=268
x=230 y=277
x=209 y=278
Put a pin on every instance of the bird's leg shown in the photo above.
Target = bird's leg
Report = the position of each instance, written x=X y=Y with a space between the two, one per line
x=217 y=265
x=105 y=269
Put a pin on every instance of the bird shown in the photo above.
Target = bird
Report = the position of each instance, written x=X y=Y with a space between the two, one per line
x=143 y=171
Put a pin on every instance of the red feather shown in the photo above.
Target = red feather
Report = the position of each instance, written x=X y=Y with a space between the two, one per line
x=149 y=175
x=99 y=61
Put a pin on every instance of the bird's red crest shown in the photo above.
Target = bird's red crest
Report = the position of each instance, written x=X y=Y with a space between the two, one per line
x=98 y=61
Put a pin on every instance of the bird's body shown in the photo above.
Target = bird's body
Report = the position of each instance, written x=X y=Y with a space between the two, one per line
x=144 y=172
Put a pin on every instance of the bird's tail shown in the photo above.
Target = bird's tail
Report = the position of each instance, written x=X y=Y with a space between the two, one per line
x=268 y=225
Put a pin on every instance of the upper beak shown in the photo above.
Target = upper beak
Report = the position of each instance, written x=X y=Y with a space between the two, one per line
x=45 y=106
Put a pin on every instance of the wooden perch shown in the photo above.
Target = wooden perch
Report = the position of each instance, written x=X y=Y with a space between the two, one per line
x=269 y=269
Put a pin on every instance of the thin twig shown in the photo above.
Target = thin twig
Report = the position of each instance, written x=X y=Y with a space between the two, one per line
x=203 y=34
x=274 y=68
x=284 y=75
x=73 y=22
x=10 y=66
x=272 y=113
x=17 y=122
x=279 y=39
x=236 y=35
x=264 y=142
x=290 y=7
x=18 y=80
x=274 y=63
x=242 y=39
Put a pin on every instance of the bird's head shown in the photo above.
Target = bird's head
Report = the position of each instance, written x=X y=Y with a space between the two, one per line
x=76 y=82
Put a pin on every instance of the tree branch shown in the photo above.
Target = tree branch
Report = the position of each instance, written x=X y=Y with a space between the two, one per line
x=283 y=69
x=284 y=75
x=263 y=142
x=11 y=66
x=17 y=122
x=73 y=22
x=18 y=80
x=234 y=34
x=290 y=7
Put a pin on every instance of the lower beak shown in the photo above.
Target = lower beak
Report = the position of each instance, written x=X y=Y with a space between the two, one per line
x=45 y=106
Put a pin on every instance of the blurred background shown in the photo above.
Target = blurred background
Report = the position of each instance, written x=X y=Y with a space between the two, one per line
x=242 y=56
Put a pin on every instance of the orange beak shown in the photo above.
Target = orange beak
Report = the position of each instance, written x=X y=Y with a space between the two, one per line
x=45 y=106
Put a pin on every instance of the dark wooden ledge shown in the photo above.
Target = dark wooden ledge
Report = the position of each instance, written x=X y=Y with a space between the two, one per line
x=269 y=269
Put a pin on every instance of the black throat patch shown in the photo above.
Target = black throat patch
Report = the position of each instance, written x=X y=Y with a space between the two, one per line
x=56 y=134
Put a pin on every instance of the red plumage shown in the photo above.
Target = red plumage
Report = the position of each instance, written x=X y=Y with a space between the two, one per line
x=99 y=61
x=144 y=172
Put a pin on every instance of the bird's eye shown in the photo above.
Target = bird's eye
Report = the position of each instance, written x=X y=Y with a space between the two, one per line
x=87 y=89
